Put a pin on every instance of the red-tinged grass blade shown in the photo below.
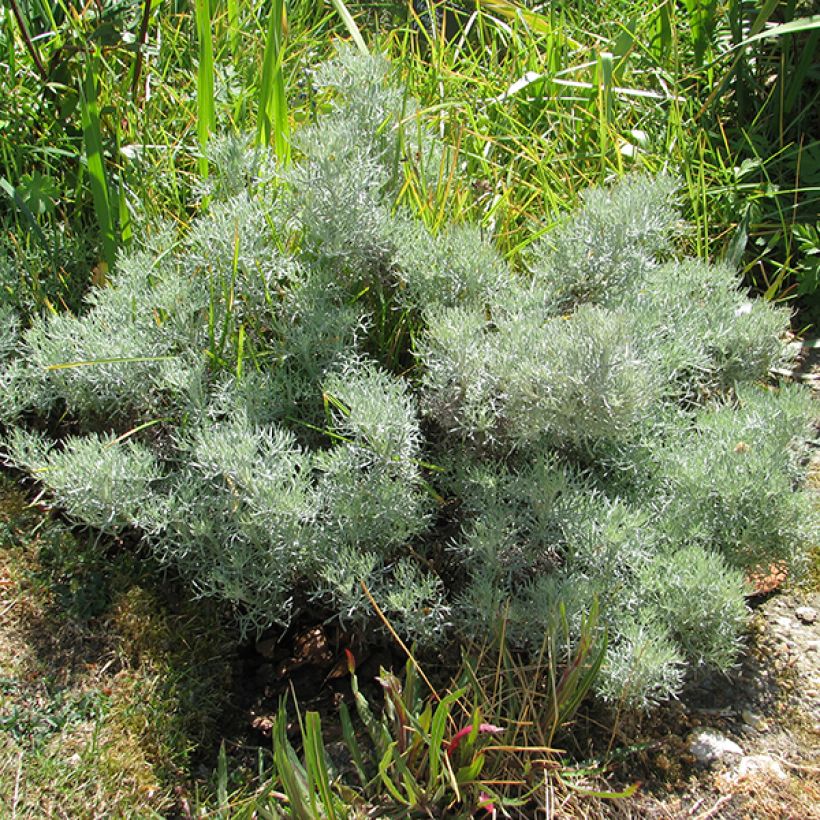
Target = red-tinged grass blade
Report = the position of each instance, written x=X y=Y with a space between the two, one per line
x=92 y=139
x=274 y=127
x=206 y=117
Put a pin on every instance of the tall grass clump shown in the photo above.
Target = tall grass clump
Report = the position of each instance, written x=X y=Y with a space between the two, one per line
x=313 y=398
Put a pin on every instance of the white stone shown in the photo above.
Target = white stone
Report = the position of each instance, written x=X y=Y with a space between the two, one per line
x=709 y=746
x=807 y=614
x=760 y=764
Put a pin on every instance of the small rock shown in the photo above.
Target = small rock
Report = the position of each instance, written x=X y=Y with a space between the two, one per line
x=754 y=720
x=813 y=646
x=708 y=746
x=760 y=764
x=807 y=614
x=263 y=724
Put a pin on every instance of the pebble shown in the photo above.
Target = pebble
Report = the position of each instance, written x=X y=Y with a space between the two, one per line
x=807 y=614
x=758 y=764
x=708 y=746
x=754 y=720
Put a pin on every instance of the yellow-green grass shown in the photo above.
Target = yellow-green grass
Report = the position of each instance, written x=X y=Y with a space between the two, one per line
x=537 y=113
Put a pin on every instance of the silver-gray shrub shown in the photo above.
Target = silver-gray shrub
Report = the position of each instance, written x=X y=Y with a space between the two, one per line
x=342 y=191
x=643 y=665
x=701 y=330
x=9 y=372
x=730 y=478
x=699 y=599
x=98 y=480
x=602 y=425
x=609 y=245
x=237 y=516
x=372 y=499
x=522 y=377
x=456 y=267
x=9 y=331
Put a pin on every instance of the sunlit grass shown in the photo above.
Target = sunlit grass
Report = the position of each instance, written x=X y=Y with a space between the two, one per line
x=538 y=105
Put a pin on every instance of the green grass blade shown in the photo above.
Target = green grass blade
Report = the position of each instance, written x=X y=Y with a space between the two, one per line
x=315 y=762
x=784 y=29
x=513 y=11
x=437 y=729
x=763 y=16
x=384 y=766
x=124 y=215
x=349 y=735
x=92 y=139
x=799 y=77
x=793 y=27
x=273 y=127
x=233 y=27
x=350 y=24
x=290 y=773
x=206 y=117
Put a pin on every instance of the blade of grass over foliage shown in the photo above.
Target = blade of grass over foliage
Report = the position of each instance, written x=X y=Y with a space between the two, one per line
x=26 y=36
x=512 y=11
x=114 y=360
x=316 y=764
x=350 y=25
x=31 y=221
x=273 y=127
x=96 y=164
x=234 y=30
x=206 y=114
x=798 y=26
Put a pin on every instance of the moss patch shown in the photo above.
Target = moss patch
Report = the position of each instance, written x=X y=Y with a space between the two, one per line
x=110 y=678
